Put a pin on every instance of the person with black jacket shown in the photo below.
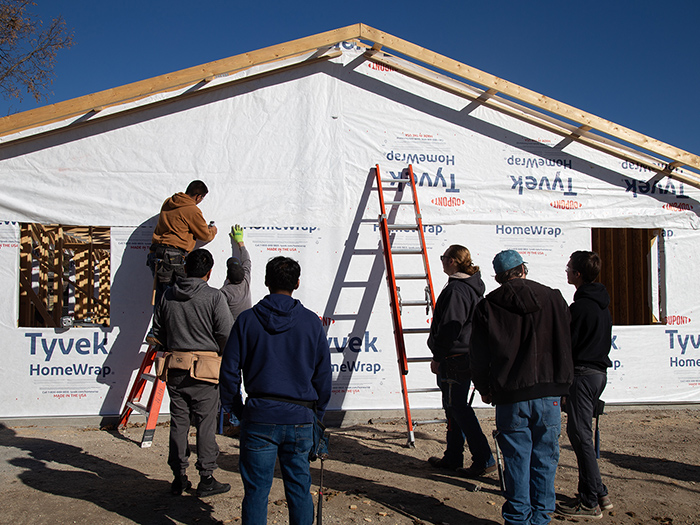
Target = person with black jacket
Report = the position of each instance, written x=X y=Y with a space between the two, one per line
x=450 y=332
x=591 y=339
x=521 y=361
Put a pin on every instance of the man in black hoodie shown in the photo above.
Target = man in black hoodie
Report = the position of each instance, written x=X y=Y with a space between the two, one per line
x=591 y=337
x=521 y=361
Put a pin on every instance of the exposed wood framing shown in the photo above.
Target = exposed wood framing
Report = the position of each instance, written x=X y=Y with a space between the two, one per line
x=580 y=131
x=46 y=280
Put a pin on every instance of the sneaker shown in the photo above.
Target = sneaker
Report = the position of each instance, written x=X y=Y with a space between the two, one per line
x=208 y=486
x=179 y=485
x=580 y=511
x=473 y=471
x=443 y=463
x=605 y=503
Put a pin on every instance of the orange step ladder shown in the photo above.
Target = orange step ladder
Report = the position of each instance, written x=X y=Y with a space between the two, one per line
x=387 y=226
x=152 y=408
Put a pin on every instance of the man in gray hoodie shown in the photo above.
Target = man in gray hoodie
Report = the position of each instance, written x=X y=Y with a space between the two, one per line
x=193 y=323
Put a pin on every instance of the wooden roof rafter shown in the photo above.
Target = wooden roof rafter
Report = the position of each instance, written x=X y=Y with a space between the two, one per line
x=585 y=123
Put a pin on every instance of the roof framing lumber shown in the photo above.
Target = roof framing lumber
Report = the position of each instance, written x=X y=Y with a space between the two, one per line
x=581 y=132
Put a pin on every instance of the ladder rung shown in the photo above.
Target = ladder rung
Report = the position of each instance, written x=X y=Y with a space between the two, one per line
x=402 y=226
x=403 y=181
x=148 y=377
x=414 y=303
x=137 y=408
x=398 y=203
x=416 y=330
x=423 y=390
x=419 y=359
x=406 y=251
x=429 y=421
x=411 y=276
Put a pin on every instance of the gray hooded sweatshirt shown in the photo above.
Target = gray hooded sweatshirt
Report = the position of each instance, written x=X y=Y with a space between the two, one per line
x=192 y=316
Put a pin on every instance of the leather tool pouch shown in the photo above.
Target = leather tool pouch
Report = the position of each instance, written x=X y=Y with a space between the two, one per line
x=206 y=367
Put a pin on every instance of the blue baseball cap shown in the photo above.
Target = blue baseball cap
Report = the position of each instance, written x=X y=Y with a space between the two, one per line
x=506 y=260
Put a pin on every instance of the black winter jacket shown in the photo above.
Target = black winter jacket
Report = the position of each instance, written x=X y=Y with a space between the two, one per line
x=521 y=343
x=451 y=328
x=591 y=327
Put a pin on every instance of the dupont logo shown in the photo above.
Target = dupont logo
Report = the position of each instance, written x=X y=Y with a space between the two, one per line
x=677 y=206
x=379 y=67
x=676 y=319
x=566 y=205
x=447 y=202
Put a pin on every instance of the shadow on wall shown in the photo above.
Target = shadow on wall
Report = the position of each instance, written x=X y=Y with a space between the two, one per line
x=131 y=310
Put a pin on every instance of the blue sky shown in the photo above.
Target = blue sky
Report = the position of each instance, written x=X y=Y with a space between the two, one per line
x=632 y=62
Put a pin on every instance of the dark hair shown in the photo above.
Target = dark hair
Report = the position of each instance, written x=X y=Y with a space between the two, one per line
x=198 y=263
x=513 y=273
x=197 y=187
x=282 y=274
x=235 y=273
x=587 y=264
x=462 y=258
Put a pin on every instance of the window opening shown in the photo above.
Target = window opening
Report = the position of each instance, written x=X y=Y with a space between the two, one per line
x=633 y=271
x=64 y=275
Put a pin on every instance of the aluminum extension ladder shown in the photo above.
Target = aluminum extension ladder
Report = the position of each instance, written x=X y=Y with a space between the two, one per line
x=390 y=257
x=152 y=408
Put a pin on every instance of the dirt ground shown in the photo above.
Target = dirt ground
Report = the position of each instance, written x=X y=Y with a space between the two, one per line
x=650 y=462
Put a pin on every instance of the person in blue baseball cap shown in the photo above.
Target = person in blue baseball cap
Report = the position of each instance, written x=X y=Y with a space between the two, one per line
x=521 y=361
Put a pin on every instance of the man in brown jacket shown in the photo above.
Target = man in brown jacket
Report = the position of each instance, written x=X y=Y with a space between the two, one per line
x=180 y=225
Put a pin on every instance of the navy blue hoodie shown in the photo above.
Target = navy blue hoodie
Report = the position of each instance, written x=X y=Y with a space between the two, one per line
x=282 y=350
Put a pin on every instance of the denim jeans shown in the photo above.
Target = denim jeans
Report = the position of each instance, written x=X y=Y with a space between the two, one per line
x=528 y=435
x=583 y=396
x=261 y=444
x=462 y=423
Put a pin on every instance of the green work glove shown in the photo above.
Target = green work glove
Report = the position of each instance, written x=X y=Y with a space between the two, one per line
x=237 y=233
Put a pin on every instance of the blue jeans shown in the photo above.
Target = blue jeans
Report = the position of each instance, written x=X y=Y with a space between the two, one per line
x=528 y=435
x=261 y=444
x=583 y=396
x=462 y=423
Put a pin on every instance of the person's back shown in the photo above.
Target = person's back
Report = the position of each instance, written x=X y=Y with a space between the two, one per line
x=236 y=289
x=521 y=361
x=283 y=353
x=528 y=335
x=180 y=225
x=193 y=322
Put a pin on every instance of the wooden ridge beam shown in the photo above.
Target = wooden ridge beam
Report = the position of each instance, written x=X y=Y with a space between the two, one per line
x=78 y=107
x=528 y=96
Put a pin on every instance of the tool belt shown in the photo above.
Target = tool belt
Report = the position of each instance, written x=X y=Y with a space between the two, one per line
x=201 y=365
x=168 y=262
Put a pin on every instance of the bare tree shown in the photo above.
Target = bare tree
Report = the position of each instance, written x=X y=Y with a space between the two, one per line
x=28 y=50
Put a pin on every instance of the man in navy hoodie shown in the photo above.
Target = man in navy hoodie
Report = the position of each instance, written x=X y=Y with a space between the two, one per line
x=591 y=338
x=282 y=351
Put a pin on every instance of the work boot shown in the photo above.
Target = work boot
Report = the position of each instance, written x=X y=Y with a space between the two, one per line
x=474 y=471
x=180 y=484
x=208 y=486
x=443 y=463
